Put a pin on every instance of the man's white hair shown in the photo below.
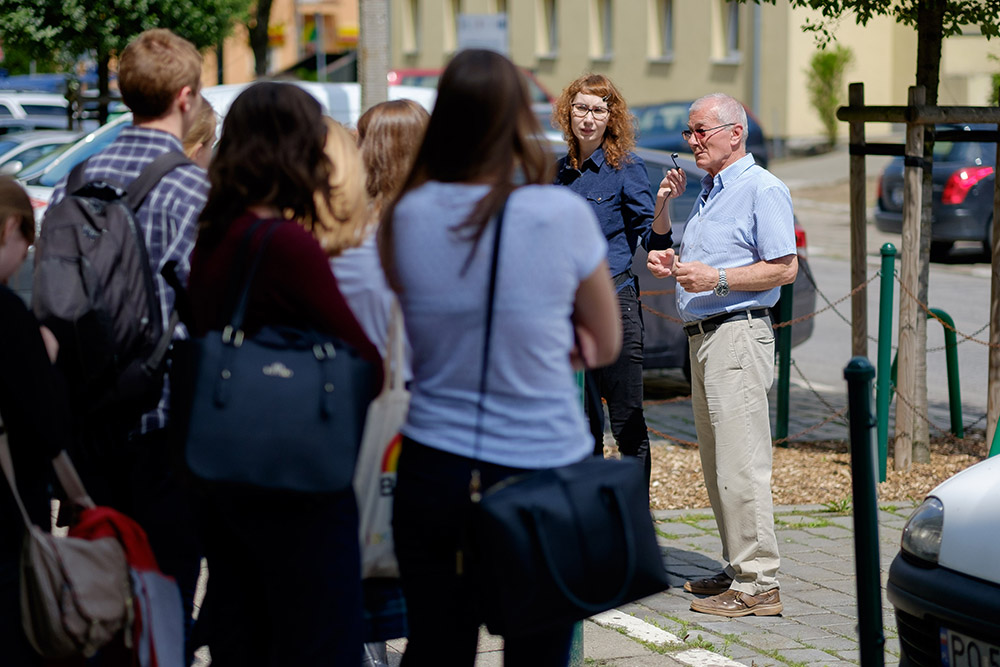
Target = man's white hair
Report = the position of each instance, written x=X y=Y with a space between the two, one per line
x=727 y=110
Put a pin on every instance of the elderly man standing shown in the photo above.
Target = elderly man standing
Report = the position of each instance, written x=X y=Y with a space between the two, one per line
x=738 y=249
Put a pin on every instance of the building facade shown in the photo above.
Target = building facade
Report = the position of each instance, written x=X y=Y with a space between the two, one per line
x=674 y=50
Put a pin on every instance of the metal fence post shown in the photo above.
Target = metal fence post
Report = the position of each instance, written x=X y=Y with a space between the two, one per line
x=783 y=346
x=883 y=393
x=859 y=374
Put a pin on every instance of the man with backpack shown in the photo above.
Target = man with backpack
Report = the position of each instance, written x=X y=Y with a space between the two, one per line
x=116 y=223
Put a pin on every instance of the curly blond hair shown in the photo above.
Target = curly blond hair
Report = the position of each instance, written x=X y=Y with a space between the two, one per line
x=619 y=137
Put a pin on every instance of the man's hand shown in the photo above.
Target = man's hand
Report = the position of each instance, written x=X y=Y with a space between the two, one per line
x=661 y=262
x=673 y=184
x=695 y=276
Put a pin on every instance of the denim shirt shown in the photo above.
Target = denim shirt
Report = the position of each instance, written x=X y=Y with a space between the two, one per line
x=622 y=200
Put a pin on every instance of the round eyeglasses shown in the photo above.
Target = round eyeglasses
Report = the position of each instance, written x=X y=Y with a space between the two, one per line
x=581 y=111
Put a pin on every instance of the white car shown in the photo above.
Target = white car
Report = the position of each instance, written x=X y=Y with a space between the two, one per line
x=23 y=148
x=945 y=582
x=44 y=110
x=340 y=101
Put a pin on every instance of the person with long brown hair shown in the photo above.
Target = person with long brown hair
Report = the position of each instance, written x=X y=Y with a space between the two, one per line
x=483 y=153
x=270 y=166
x=599 y=165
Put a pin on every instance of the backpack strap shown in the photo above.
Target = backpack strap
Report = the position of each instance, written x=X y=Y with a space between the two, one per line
x=77 y=178
x=151 y=175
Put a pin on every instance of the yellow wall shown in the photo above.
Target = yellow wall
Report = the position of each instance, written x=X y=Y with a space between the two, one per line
x=884 y=55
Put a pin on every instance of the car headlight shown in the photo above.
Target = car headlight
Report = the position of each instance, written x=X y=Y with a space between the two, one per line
x=922 y=533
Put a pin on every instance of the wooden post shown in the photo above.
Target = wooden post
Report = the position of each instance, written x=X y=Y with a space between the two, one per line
x=859 y=228
x=909 y=272
x=993 y=388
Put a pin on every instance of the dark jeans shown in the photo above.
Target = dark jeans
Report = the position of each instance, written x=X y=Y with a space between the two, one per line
x=431 y=513
x=284 y=585
x=620 y=384
x=15 y=651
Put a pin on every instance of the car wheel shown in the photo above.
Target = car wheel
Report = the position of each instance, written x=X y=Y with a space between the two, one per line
x=940 y=250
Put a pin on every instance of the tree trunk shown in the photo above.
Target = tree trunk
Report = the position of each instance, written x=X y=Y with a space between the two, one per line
x=930 y=26
x=103 y=79
x=257 y=29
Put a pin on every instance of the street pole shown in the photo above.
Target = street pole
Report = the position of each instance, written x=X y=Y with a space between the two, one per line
x=373 y=53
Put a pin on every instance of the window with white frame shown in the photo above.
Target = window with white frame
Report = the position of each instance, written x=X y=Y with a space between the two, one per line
x=726 y=31
x=661 y=29
x=548 y=28
x=602 y=42
x=411 y=26
x=452 y=9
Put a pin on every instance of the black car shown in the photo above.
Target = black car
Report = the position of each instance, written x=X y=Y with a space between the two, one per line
x=660 y=127
x=665 y=343
x=963 y=175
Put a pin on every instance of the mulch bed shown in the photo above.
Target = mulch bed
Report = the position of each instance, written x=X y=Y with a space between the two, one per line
x=810 y=473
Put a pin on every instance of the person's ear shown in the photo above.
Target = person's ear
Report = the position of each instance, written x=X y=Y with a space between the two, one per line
x=185 y=99
x=736 y=138
x=8 y=225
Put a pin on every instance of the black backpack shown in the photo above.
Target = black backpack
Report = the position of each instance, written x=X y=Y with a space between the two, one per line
x=93 y=287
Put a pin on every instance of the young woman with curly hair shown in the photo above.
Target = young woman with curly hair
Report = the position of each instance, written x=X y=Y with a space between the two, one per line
x=599 y=165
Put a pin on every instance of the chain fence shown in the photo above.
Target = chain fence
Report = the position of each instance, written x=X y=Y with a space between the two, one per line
x=835 y=413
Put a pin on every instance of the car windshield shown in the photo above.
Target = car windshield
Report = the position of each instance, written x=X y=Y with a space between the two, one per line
x=33 y=169
x=967 y=152
x=662 y=118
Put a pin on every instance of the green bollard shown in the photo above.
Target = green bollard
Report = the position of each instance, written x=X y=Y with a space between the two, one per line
x=783 y=348
x=951 y=360
x=995 y=446
x=883 y=393
x=859 y=374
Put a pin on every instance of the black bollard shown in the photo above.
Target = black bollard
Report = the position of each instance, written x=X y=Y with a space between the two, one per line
x=859 y=374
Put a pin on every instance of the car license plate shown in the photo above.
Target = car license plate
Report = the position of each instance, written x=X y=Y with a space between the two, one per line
x=958 y=650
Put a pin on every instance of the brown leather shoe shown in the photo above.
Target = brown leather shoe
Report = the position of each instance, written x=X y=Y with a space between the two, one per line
x=733 y=603
x=709 y=585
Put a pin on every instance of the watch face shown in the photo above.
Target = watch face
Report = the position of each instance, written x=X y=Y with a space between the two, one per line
x=722 y=290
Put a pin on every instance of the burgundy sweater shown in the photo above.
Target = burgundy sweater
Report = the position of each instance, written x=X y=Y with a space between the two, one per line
x=293 y=287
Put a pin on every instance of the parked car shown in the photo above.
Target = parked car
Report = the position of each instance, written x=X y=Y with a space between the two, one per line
x=660 y=126
x=665 y=345
x=341 y=101
x=43 y=110
x=945 y=582
x=541 y=99
x=963 y=174
x=23 y=148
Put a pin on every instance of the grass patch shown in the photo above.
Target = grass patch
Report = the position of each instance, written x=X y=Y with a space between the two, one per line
x=842 y=506
x=814 y=523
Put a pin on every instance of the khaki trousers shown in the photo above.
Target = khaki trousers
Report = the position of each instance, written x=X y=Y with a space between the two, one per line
x=732 y=369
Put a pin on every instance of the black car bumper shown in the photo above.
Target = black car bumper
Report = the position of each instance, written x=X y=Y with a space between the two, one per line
x=929 y=599
x=958 y=225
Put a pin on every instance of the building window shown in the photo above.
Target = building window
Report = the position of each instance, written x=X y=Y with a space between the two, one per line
x=547 y=42
x=411 y=26
x=726 y=31
x=452 y=9
x=500 y=7
x=661 y=29
x=602 y=44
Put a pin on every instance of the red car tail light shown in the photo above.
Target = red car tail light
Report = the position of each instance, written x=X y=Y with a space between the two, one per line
x=959 y=183
x=800 y=240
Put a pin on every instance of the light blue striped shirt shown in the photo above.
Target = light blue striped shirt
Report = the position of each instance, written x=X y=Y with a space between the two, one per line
x=743 y=216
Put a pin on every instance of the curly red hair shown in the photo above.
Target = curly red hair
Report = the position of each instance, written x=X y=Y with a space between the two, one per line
x=619 y=137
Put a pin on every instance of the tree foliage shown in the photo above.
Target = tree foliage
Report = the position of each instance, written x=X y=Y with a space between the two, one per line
x=71 y=28
x=826 y=86
x=934 y=20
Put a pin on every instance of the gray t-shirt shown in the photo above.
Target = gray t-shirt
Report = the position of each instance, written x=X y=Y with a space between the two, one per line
x=533 y=411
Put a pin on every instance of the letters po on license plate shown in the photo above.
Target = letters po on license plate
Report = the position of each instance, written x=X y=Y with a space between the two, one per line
x=958 y=650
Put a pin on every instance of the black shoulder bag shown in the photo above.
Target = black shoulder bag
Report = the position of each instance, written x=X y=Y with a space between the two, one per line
x=283 y=409
x=559 y=545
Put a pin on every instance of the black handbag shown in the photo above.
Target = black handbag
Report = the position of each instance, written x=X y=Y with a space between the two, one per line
x=283 y=409
x=559 y=545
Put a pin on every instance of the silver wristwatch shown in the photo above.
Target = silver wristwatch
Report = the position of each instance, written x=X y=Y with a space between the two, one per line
x=722 y=287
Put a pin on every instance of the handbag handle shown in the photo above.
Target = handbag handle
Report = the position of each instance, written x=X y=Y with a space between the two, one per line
x=475 y=483
x=65 y=472
x=394 y=352
x=630 y=560
x=234 y=330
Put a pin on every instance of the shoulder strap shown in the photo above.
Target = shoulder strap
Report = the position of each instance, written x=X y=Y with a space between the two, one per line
x=151 y=175
x=77 y=178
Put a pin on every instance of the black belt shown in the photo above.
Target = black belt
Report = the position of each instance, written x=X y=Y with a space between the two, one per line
x=712 y=323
